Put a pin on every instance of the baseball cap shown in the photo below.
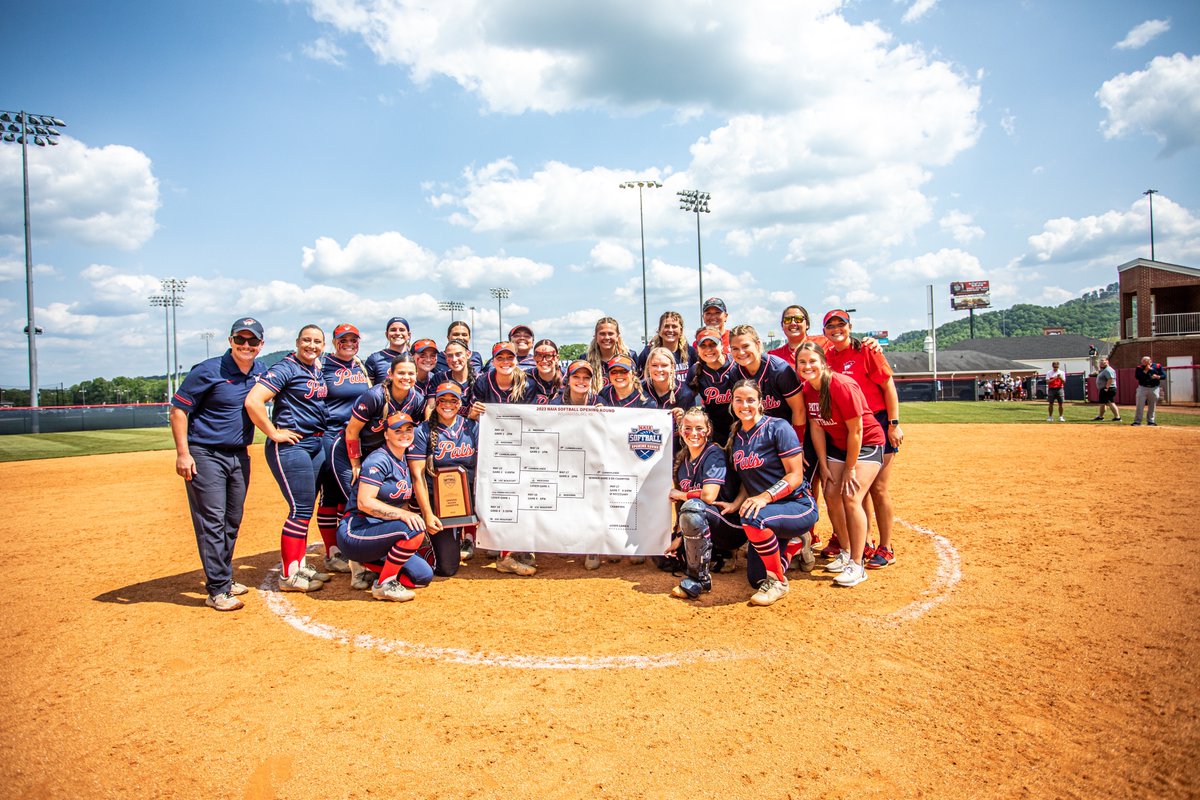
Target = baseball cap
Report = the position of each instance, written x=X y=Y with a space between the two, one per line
x=503 y=347
x=424 y=344
x=575 y=366
x=837 y=312
x=709 y=335
x=343 y=329
x=448 y=387
x=714 y=302
x=399 y=420
x=247 y=324
x=516 y=328
x=394 y=320
x=621 y=362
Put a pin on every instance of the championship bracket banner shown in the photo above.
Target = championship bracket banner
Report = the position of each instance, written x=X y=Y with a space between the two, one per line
x=574 y=479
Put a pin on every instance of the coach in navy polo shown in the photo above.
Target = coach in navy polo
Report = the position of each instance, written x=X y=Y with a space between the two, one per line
x=212 y=431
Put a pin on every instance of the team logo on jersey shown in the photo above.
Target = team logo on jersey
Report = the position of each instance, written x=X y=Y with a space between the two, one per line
x=645 y=441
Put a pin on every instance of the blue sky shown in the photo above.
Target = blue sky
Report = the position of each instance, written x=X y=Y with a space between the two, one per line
x=347 y=160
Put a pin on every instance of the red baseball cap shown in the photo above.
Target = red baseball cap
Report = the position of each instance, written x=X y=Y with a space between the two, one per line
x=838 y=313
x=424 y=344
x=345 y=328
x=399 y=420
x=621 y=362
x=503 y=347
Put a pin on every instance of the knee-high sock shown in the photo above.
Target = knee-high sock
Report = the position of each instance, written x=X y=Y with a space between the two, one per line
x=292 y=542
x=767 y=547
x=400 y=553
x=327 y=520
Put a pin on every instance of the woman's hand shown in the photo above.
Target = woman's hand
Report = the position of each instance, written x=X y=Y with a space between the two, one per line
x=755 y=504
x=355 y=469
x=678 y=496
x=849 y=483
x=477 y=409
x=185 y=466
x=283 y=436
x=433 y=524
x=895 y=435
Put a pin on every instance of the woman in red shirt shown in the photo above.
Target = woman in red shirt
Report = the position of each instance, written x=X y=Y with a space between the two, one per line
x=847 y=356
x=849 y=443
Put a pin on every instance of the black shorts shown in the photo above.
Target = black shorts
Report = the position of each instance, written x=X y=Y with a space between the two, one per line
x=882 y=418
x=1107 y=396
x=868 y=452
x=1055 y=394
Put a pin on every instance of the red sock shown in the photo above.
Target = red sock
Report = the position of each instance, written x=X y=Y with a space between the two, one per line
x=327 y=520
x=292 y=543
x=398 y=556
x=406 y=582
x=767 y=547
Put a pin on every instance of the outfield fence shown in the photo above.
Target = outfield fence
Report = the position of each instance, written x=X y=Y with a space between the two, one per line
x=58 y=419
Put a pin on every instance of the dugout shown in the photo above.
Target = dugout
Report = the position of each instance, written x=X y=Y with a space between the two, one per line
x=59 y=419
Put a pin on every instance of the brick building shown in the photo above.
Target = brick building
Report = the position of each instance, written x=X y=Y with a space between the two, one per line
x=1160 y=318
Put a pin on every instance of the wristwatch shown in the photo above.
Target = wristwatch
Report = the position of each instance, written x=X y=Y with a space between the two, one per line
x=894 y=422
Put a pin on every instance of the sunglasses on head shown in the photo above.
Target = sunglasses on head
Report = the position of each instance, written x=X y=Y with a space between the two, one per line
x=796 y=320
x=253 y=341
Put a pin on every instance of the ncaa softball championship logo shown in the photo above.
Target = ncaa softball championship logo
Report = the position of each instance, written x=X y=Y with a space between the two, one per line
x=645 y=441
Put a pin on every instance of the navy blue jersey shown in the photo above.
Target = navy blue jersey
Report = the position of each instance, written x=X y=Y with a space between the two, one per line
x=428 y=386
x=380 y=362
x=475 y=359
x=759 y=452
x=345 y=381
x=486 y=390
x=457 y=445
x=390 y=474
x=542 y=391
x=776 y=382
x=299 y=395
x=714 y=391
x=682 y=366
x=373 y=408
x=707 y=469
x=608 y=397
x=442 y=376
x=683 y=397
x=214 y=396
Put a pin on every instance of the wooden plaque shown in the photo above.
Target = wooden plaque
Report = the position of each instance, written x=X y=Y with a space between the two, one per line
x=452 y=497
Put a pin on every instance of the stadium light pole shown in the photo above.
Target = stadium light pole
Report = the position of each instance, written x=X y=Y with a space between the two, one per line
x=640 y=185
x=452 y=306
x=17 y=126
x=1150 y=194
x=174 y=289
x=500 y=294
x=157 y=301
x=696 y=201
x=207 y=336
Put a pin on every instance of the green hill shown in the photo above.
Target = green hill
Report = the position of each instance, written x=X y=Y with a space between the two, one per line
x=1095 y=314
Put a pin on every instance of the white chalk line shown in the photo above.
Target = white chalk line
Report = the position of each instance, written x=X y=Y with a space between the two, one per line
x=946 y=577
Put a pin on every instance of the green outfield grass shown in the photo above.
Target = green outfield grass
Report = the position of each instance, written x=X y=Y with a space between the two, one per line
x=89 y=443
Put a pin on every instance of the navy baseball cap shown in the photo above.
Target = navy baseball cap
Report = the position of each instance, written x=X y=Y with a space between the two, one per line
x=714 y=302
x=516 y=328
x=393 y=320
x=247 y=324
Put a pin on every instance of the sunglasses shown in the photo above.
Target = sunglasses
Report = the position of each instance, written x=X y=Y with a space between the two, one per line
x=253 y=341
x=796 y=320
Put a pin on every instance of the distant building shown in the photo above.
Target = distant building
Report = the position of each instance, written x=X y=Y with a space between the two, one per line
x=1072 y=351
x=1160 y=318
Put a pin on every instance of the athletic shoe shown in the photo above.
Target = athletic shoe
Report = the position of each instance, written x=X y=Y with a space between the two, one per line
x=313 y=574
x=466 y=548
x=237 y=589
x=296 y=582
x=224 y=601
x=1049 y=419
x=513 y=567
x=807 y=560
x=1097 y=419
x=392 y=590
x=591 y=562
x=336 y=563
x=1062 y=419
x=528 y=559
x=839 y=563
x=1116 y=419
x=690 y=589
x=770 y=590
x=882 y=558
x=831 y=550
x=868 y=550
x=852 y=575
x=1152 y=424
x=1135 y=424
x=361 y=578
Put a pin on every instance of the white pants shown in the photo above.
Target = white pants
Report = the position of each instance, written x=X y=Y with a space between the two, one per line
x=1146 y=396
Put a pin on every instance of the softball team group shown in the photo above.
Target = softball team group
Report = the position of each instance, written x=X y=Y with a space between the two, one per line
x=359 y=442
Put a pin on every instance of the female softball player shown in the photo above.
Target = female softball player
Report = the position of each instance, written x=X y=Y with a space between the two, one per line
x=606 y=345
x=624 y=390
x=460 y=331
x=795 y=323
x=378 y=525
x=212 y=431
x=714 y=315
x=777 y=382
x=546 y=377
x=577 y=391
x=425 y=353
x=521 y=337
x=295 y=450
x=504 y=382
x=379 y=362
x=712 y=382
x=774 y=503
x=346 y=379
x=871 y=371
x=663 y=386
x=447 y=439
x=670 y=337
x=849 y=443
x=460 y=365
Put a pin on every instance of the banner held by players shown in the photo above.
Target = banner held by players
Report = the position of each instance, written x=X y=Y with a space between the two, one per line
x=574 y=479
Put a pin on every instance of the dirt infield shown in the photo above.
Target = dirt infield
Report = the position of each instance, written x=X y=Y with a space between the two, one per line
x=1038 y=637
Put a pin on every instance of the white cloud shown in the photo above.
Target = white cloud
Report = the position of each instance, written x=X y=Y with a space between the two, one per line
x=952 y=264
x=368 y=257
x=612 y=256
x=326 y=50
x=1163 y=100
x=1008 y=123
x=1118 y=236
x=961 y=226
x=13 y=270
x=467 y=270
x=99 y=196
x=918 y=9
x=1141 y=34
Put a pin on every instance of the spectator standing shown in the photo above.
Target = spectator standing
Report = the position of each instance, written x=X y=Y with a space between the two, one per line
x=1106 y=383
x=1148 y=375
x=1056 y=385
